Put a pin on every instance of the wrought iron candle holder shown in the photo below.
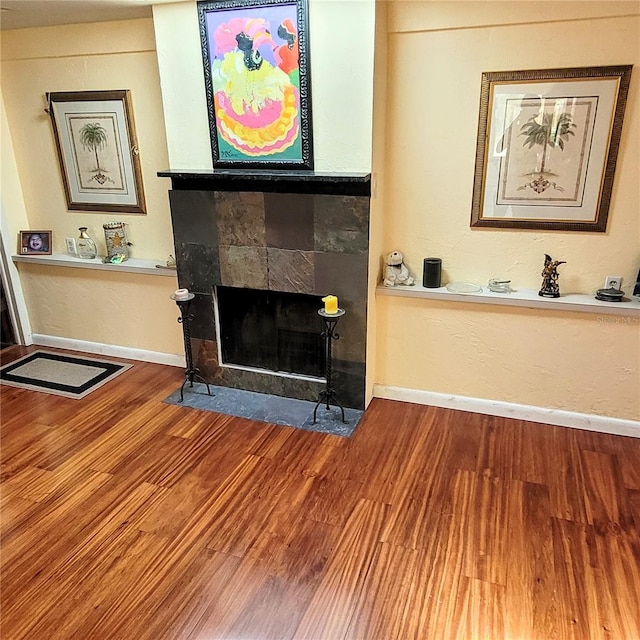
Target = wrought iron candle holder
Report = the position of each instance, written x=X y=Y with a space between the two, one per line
x=191 y=373
x=328 y=395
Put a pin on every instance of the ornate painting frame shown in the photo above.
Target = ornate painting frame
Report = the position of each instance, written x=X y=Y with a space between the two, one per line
x=547 y=147
x=97 y=128
x=257 y=77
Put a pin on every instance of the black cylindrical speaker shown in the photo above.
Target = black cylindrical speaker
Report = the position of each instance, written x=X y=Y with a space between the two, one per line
x=431 y=273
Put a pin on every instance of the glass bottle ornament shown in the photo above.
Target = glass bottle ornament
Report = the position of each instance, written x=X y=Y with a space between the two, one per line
x=85 y=245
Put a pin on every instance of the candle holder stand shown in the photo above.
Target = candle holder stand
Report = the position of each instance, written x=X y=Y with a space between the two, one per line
x=185 y=319
x=328 y=395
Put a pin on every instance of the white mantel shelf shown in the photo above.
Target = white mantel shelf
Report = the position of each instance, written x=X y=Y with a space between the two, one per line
x=526 y=298
x=132 y=265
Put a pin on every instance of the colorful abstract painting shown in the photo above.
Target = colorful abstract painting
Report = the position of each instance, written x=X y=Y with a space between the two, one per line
x=256 y=69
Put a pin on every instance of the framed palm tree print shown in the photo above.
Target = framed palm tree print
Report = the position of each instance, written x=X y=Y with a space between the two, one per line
x=257 y=82
x=96 y=143
x=547 y=147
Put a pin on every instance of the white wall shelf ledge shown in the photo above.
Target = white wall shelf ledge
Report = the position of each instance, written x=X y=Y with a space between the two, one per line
x=526 y=298
x=132 y=265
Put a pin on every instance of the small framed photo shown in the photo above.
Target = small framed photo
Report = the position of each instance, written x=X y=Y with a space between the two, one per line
x=35 y=243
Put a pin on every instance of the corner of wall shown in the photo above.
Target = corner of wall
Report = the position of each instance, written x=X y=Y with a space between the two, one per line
x=378 y=204
x=13 y=217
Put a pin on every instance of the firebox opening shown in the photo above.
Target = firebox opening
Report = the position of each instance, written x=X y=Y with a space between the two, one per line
x=270 y=330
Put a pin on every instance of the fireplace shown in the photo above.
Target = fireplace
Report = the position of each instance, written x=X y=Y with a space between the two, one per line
x=269 y=240
x=270 y=331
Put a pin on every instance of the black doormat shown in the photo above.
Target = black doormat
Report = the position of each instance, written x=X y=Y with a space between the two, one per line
x=267 y=408
x=60 y=374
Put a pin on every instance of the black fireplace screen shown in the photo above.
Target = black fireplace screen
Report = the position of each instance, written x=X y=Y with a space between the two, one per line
x=271 y=330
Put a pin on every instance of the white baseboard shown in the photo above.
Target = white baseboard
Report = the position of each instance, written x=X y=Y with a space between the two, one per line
x=603 y=424
x=109 y=350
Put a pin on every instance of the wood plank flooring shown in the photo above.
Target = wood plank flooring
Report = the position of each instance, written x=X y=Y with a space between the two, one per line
x=126 y=518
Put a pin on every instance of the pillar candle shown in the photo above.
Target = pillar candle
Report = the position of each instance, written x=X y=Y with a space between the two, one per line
x=330 y=304
x=181 y=294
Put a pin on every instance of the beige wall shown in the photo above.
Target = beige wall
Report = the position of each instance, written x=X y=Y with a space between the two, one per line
x=377 y=210
x=427 y=83
x=142 y=55
x=93 y=57
x=572 y=361
x=124 y=309
x=341 y=41
x=13 y=217
x=87 y=57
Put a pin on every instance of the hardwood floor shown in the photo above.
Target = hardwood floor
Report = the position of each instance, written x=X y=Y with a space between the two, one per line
x=126 y=518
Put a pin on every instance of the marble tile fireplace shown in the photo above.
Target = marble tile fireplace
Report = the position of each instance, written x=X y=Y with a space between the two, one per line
x=259 y=250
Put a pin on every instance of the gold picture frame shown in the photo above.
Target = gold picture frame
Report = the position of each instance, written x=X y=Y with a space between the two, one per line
x=98 y=152
x=547 y=147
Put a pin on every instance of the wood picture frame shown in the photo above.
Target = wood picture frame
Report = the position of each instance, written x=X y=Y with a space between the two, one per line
x=97 y=149
x=257 y=79
x=35 y=243
x=547 y=147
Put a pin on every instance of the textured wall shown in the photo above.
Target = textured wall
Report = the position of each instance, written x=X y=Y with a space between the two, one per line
x=70 y=303
x=573 y=361
x=431 y=142
x=121 y=309
x=85 y=57
x=341 y=40
x=570 y=361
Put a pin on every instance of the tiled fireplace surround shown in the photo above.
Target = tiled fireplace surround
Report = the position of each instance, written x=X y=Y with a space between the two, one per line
x=301 y=232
